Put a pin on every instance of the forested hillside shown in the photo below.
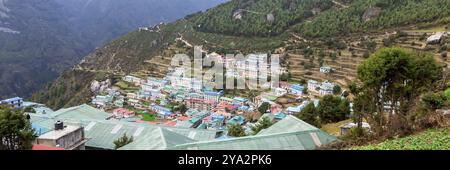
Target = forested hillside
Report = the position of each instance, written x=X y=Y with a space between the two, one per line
x=259 y=17
x=365 y=15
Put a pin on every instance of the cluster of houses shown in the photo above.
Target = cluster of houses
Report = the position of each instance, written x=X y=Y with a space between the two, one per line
x=206 y=108
x=324 y=88
x=217 y=110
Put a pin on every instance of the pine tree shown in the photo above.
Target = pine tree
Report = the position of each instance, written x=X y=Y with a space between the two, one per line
x=16 y=132
x=122 y=141
x=236 y=131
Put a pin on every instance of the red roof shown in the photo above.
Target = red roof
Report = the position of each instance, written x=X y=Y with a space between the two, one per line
x=148 y=122
x=183 y=118
x=123 y=111
x=171 y=123
x=44 y=147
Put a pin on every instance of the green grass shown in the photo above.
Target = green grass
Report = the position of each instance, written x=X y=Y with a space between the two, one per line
x=148 y=117
x=334 y=128
x=434 y=139
x=122 y=85
x=145 y=103
x=432 y=30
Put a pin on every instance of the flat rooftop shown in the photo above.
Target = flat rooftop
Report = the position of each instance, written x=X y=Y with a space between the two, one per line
x=56 y=134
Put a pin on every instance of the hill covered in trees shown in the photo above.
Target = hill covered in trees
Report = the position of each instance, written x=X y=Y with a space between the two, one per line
x=316 y=18
x=365 y=15
x=258 y=17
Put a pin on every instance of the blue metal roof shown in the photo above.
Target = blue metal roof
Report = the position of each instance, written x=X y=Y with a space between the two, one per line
x=280 y=115
x=158 y=107
x=240 y=99
x=13 y=99
x=214 y=93
x=39 y=129
x=297 y=87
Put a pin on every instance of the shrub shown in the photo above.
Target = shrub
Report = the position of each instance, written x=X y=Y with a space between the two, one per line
x=433 y=101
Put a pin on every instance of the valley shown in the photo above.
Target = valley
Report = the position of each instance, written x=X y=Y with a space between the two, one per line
x=54 y=35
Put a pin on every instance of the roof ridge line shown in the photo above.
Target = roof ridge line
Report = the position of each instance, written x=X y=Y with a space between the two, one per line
x=255 y=136
x=160 y=130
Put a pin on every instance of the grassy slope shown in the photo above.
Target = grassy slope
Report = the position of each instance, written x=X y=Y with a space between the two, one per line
x=434 y=139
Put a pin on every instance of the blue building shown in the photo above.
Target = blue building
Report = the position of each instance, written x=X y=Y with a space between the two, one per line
x=213 y=95
x=280 y=115
x=237 y=120
x=240 y=100
x=217 y=120
x=15 y=102
x=297 y=89
x=162 y=112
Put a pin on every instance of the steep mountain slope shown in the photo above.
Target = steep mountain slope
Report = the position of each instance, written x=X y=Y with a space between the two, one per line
x=100 y=21
x=40 y=39
x=33 y=35
x=148 y=53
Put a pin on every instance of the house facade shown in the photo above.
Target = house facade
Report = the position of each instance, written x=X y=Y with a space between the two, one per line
x=16 y=102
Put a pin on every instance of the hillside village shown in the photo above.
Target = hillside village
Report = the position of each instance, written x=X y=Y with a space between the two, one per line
x=181 y=106
x=193 y=116
x=180 y=102
x=127 y=96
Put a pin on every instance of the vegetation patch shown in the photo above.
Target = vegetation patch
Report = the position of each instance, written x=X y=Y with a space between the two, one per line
x=434 y=139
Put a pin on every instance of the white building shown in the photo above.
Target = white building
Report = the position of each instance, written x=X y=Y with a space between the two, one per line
x=280 y=92
x=132 y=79
x=102 y=101
x=312 y=84
x=347 y=127
x=325 y=69
x=435 y=38
x=326 y=88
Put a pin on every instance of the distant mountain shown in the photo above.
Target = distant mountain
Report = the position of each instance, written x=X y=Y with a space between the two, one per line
x=40 y=39
x=36 y=44
x=100 y=21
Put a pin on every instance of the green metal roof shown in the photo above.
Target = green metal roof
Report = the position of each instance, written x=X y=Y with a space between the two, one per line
x=227 y=99
x=290 y=133
x=186 y=124
x=102 y=133
x=158 y=139
x=288 y=124
x=302 y=140
x=271 y=98
x=81 y=112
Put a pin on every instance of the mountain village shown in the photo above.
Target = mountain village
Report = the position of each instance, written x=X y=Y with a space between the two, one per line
x=181 y=107
x=158 y=106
